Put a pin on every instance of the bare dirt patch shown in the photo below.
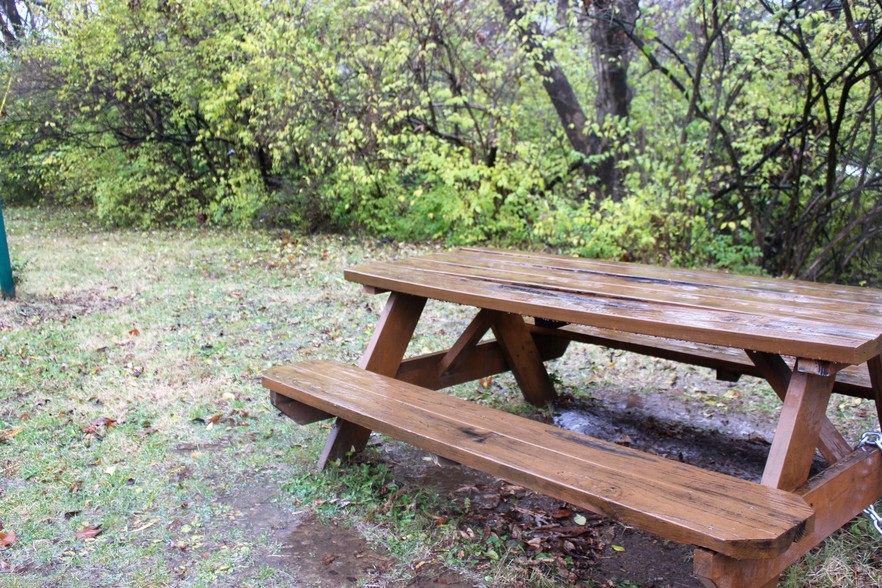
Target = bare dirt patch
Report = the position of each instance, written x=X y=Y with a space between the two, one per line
x=543 y=530
x=322 y=553
x=331 y=555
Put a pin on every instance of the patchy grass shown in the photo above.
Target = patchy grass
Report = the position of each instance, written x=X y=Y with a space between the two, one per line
x=132 y=420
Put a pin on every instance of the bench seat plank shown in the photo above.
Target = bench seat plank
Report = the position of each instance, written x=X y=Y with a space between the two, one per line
x=676 y=501
x=854 y=380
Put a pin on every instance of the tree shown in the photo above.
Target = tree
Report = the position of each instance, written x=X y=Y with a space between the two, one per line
x=612 y=55
x=721 y=134
x=563 y=98
x=796 y=144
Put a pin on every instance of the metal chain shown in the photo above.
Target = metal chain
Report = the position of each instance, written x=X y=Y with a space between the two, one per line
x=875 y=439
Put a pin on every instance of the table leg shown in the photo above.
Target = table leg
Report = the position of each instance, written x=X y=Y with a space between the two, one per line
x=775 y=370
x=799 y=429
x=523 y=358
x=874 y=365
x=383 y=356
x=837 y=494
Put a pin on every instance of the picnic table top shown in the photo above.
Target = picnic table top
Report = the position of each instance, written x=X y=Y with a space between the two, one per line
x=827 y=322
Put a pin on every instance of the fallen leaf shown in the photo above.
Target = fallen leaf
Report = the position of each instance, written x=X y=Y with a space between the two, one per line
x=562 y=513
x=439 y=520
x=95 y=425
x=618 y=548
x=7 y=538
x=215 y=418
x=624 y=440
x=134 y=332
x=88 y=532
x=511 y=490
x=7 y=435
x=580 y=519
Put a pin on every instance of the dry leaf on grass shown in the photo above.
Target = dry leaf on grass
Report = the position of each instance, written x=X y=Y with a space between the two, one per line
x=7 y=538
x=88 y=532
x=8 y=434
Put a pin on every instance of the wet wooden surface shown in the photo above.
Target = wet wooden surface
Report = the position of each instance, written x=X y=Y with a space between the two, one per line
x=729 y=362
x=806 y=339
x=676 y=501
x=838 y=494
x=802 y=319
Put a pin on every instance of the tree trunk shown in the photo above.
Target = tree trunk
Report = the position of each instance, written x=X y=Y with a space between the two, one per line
x=557 y=86
x=611 y=60
x=11 y=23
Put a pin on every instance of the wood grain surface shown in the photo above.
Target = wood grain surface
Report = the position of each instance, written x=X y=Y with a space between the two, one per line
x=674 y=500
x=802 y=319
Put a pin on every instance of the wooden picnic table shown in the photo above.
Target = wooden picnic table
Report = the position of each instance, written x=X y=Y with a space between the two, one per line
x=805 y=339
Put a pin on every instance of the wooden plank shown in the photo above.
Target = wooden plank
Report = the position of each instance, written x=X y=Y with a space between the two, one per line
x=302 y=414
x=821 y=339
x=793 y=296
x=775 y=286
x=467 y=341
x=384 y=352
x=700 y=295
x=798 y=431
x=523 y=358
x=709 y=356
x=837 y=494
x=874 y=368
x=776 y=371
x=485 y=359
x=854 y=380
x=660 y=284
x=677 y=501
x=850 y=381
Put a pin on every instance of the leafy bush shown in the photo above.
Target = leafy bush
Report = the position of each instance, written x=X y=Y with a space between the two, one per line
x=749 y=140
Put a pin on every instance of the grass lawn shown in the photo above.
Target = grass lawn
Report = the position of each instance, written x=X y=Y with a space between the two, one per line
x=135 y=435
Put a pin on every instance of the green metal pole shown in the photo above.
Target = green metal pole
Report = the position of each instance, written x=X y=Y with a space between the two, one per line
x=6 y=283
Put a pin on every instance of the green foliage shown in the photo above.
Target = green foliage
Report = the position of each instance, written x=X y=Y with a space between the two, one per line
x=750 y=140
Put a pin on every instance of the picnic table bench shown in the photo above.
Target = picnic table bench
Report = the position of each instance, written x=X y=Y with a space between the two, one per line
x=805 y=339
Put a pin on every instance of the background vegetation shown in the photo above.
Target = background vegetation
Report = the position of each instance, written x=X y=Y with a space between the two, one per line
x=730 y=134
